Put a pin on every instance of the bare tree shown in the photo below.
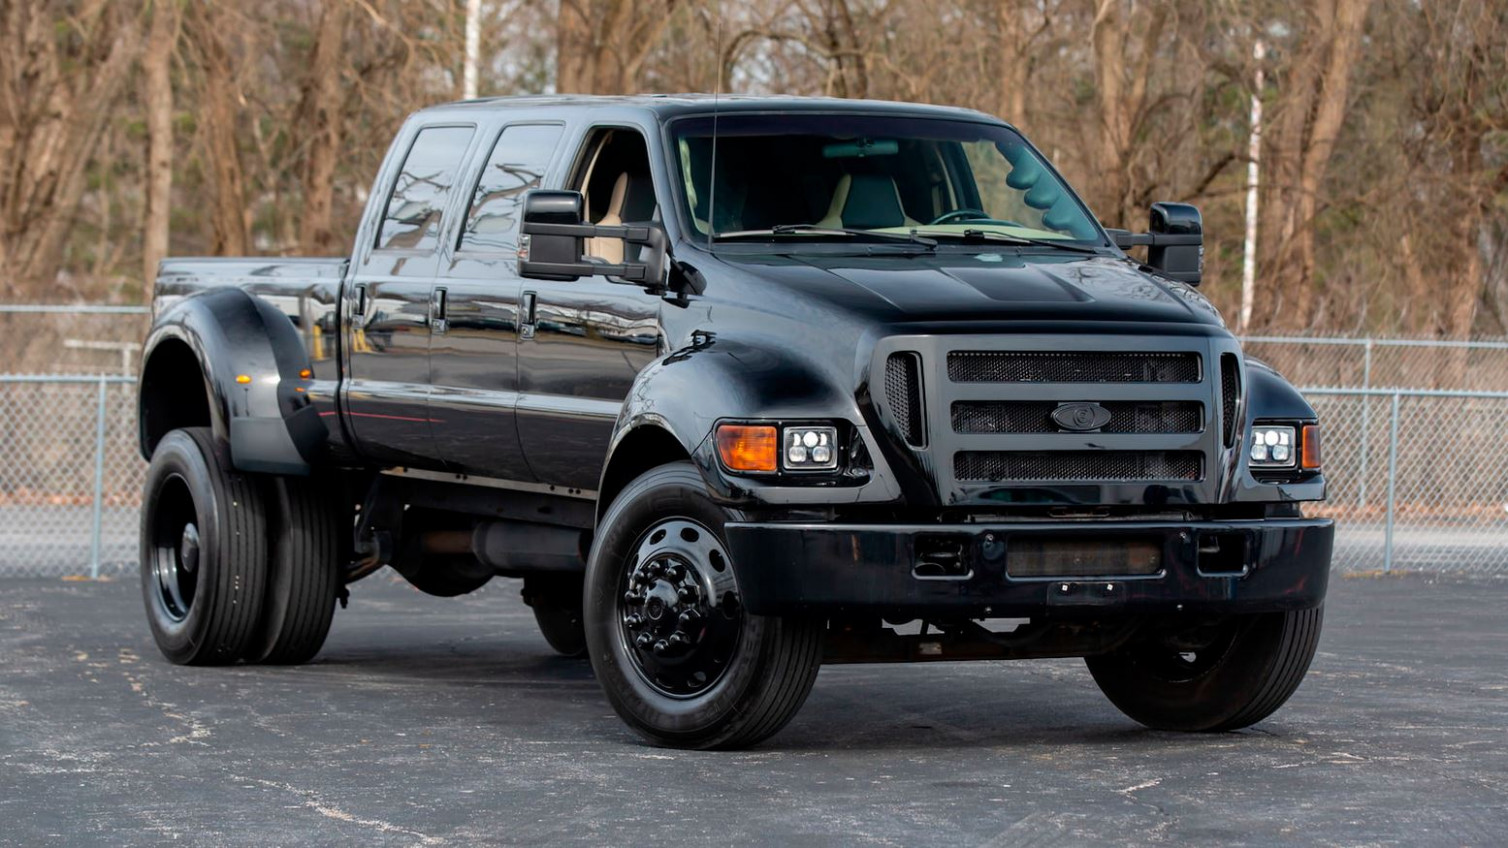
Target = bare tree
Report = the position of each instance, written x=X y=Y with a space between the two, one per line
x=157 y=103
x=62 y=68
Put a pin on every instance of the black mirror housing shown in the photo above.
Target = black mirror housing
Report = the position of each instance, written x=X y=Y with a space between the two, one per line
x=551 y=244
x=1174 y=242
x=1177 y=248
x=539 y=252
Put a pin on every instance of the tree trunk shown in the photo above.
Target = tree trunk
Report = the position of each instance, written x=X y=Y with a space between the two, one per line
x=1121 y=93
x=60 y=78
x=1015 y=64
x=157 y=101
x=1329 y=115
x=321 y=111
x=219 y=106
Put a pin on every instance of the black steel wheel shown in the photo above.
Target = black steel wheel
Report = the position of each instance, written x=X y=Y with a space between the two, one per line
x=203 y=551
x=679 y=658
x=1226 y=674
x=304 y=577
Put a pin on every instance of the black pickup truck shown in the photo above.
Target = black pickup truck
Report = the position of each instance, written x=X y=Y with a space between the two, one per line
x=737 y=387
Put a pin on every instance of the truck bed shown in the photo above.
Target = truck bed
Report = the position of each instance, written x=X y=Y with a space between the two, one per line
x=307 y=290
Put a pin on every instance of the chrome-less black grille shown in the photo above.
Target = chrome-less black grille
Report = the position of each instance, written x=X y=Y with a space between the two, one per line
x=1077 y=466
x=1230 y=392
x=904 y=396
x=1031 y=416
x=1059 y=367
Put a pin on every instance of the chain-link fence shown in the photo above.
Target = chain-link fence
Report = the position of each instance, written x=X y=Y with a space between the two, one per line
x=70 y=475
x=1418 y=476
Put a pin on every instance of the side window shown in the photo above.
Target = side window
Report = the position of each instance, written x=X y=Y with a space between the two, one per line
x=615 y=180
x=517 y=164
x=412 y=220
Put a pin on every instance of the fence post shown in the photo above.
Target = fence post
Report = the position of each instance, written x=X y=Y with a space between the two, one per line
x=99 y=480
x=1366 y=423
x=1387 y=560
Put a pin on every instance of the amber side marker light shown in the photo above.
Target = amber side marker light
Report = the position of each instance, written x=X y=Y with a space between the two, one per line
x=1310 y=445
x=243 y=379
x=748 y=447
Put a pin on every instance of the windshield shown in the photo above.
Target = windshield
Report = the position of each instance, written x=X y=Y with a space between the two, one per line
x=821 y=177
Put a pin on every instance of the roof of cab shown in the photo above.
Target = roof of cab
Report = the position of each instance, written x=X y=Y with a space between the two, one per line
x=666 y=106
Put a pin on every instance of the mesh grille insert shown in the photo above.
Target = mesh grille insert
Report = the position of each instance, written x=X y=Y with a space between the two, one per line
x=1076 y=466
x=1230 y=392
x=1058 y=367
x=1010 y=416
x=904 y=397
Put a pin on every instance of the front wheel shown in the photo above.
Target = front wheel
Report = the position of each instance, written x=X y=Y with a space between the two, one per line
x=1224 y=674
x=679 y=658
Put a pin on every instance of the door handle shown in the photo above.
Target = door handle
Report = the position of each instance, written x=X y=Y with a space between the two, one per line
x=359 y=308
x=526 y=310
x=438 y=320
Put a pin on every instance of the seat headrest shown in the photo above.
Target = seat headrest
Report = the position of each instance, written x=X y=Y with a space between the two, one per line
x=639 y=198
x=872 y=202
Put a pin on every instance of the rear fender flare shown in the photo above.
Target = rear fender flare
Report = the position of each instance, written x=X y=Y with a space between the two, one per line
x=251 y=357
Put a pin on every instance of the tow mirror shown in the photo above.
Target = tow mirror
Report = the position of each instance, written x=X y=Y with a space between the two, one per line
x=1174 y=241
x=551 y=244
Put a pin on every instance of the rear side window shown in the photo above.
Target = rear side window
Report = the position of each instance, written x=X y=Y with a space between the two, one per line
x=412 y=220
x=517 y=164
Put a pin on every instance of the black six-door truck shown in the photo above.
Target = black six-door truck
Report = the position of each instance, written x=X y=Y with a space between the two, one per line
x=739 y=386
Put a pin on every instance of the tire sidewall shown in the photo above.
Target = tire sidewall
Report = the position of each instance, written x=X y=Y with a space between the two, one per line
x=662 y=493
x=179 y=455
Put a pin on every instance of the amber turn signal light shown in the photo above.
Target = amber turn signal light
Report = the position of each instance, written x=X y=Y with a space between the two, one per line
x=1310 y=459
x=748 y=447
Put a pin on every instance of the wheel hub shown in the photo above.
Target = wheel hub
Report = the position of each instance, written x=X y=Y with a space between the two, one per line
x=678 y=613
x=188 y=549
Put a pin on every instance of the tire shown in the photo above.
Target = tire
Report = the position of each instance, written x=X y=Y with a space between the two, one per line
x=720 y=679
x=556 y=601
x=303 y=573
x=1246 y=668
x=203 y=551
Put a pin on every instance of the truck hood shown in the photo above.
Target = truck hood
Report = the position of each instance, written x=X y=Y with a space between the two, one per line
x=984 y=286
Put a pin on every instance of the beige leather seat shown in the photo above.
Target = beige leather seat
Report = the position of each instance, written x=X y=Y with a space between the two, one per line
x=866 y=201
x=610 y=250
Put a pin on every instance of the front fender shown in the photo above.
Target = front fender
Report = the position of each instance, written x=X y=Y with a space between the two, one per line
x=251 y=358
x=688 y=391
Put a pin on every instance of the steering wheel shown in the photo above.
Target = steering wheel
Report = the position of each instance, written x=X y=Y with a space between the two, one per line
x=961 y=214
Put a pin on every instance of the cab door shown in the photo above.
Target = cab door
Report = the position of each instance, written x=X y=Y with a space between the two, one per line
x=582 y=343
x=474 y=351
x=388 y=338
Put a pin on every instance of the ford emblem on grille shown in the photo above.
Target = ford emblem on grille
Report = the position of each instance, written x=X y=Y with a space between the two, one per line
x=1081 y=417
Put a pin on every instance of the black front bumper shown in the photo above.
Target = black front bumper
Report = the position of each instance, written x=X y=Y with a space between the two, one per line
x=834 y=568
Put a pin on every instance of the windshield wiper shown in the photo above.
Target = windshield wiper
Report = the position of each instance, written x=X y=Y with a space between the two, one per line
x=815 y=230
x=985 y=236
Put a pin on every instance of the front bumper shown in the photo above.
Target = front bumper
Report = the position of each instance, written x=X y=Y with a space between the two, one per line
x=839 y=568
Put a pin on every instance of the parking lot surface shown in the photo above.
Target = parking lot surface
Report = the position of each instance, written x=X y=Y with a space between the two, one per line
x=449 y=722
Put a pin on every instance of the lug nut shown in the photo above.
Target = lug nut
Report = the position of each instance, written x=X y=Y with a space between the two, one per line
x=632 y=598
x=656 y=568
x=685 y=593
x=678 y=638
x=688 y=618
x=675 y=572
x=643 y=640
x=634 y=620
x=661 y=646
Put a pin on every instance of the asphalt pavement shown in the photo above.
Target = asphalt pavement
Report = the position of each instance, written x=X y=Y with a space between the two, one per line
x=449 y=722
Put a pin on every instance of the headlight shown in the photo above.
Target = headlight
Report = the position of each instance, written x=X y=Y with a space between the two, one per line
x=809 y=449
x=764 y=448
x=1273 y=447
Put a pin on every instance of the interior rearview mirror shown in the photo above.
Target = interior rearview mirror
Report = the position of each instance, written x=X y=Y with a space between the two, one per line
x=1174 y=241
x=550 y=246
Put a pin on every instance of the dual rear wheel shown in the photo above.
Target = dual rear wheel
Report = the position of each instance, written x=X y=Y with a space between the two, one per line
x=234 y=566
